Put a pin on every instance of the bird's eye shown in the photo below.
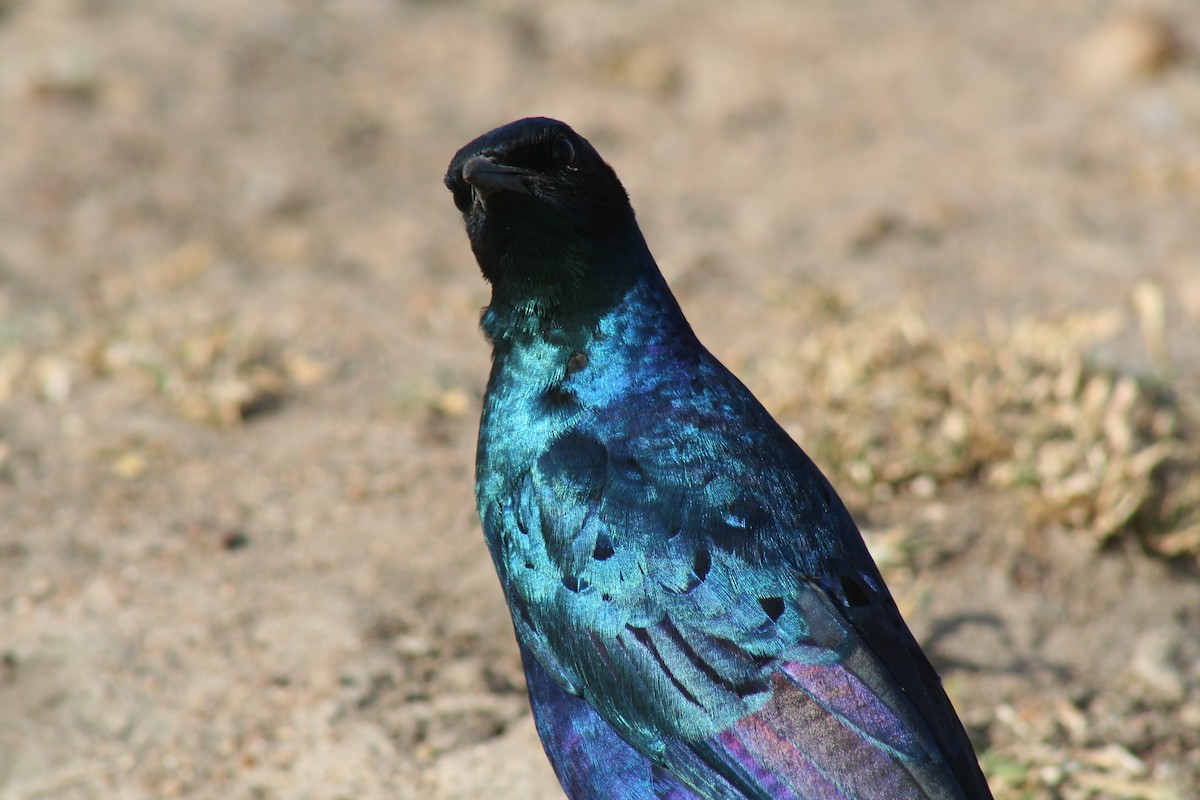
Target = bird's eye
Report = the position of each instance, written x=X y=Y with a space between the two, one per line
x=563 y=152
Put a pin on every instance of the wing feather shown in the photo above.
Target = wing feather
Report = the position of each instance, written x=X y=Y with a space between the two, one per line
x=675 y=622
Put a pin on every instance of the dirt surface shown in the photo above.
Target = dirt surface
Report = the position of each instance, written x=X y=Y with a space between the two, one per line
x=240 y=368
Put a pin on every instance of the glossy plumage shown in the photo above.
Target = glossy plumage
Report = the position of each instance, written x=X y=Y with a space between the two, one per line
x=697 y=613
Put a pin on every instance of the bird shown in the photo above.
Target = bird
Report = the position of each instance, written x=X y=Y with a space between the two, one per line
x=697 y=614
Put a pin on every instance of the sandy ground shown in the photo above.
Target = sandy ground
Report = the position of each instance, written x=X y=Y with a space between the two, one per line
x=240 y=367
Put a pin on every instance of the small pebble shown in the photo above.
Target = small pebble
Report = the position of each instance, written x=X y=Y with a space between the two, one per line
x=1125 y=47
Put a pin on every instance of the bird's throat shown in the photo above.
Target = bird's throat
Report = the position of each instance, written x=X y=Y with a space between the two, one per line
x=543 y=292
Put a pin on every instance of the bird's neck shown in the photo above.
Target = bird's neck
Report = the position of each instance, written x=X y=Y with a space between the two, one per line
x=587 y=283
x=592 y=344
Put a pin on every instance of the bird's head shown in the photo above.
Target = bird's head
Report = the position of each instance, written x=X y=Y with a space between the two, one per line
x=540 y=205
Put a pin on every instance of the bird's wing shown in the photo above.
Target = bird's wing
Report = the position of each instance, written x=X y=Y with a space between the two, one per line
x=591 y=761
x=707 y=652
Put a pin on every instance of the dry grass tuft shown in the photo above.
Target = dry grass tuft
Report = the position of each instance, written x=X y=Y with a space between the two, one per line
x=214 y=372
x=893 y=407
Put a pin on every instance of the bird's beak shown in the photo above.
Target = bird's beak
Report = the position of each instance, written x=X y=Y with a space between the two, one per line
x=487 y=177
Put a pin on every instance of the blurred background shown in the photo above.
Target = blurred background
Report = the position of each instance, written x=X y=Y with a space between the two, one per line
x=955 y=247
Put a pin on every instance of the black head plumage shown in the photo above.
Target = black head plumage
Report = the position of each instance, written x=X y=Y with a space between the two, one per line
x=537 y=200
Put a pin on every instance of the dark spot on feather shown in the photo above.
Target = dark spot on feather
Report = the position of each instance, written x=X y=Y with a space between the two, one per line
x=606 y=597
x=853 y=591
x=528 y=564
x=571 y=583
x=702 y=564
x=578 y=461
x=558 y=396
x=773 y=606
x=576 y=362
x=629 y=469
x=604 y=548
x=524 y=612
